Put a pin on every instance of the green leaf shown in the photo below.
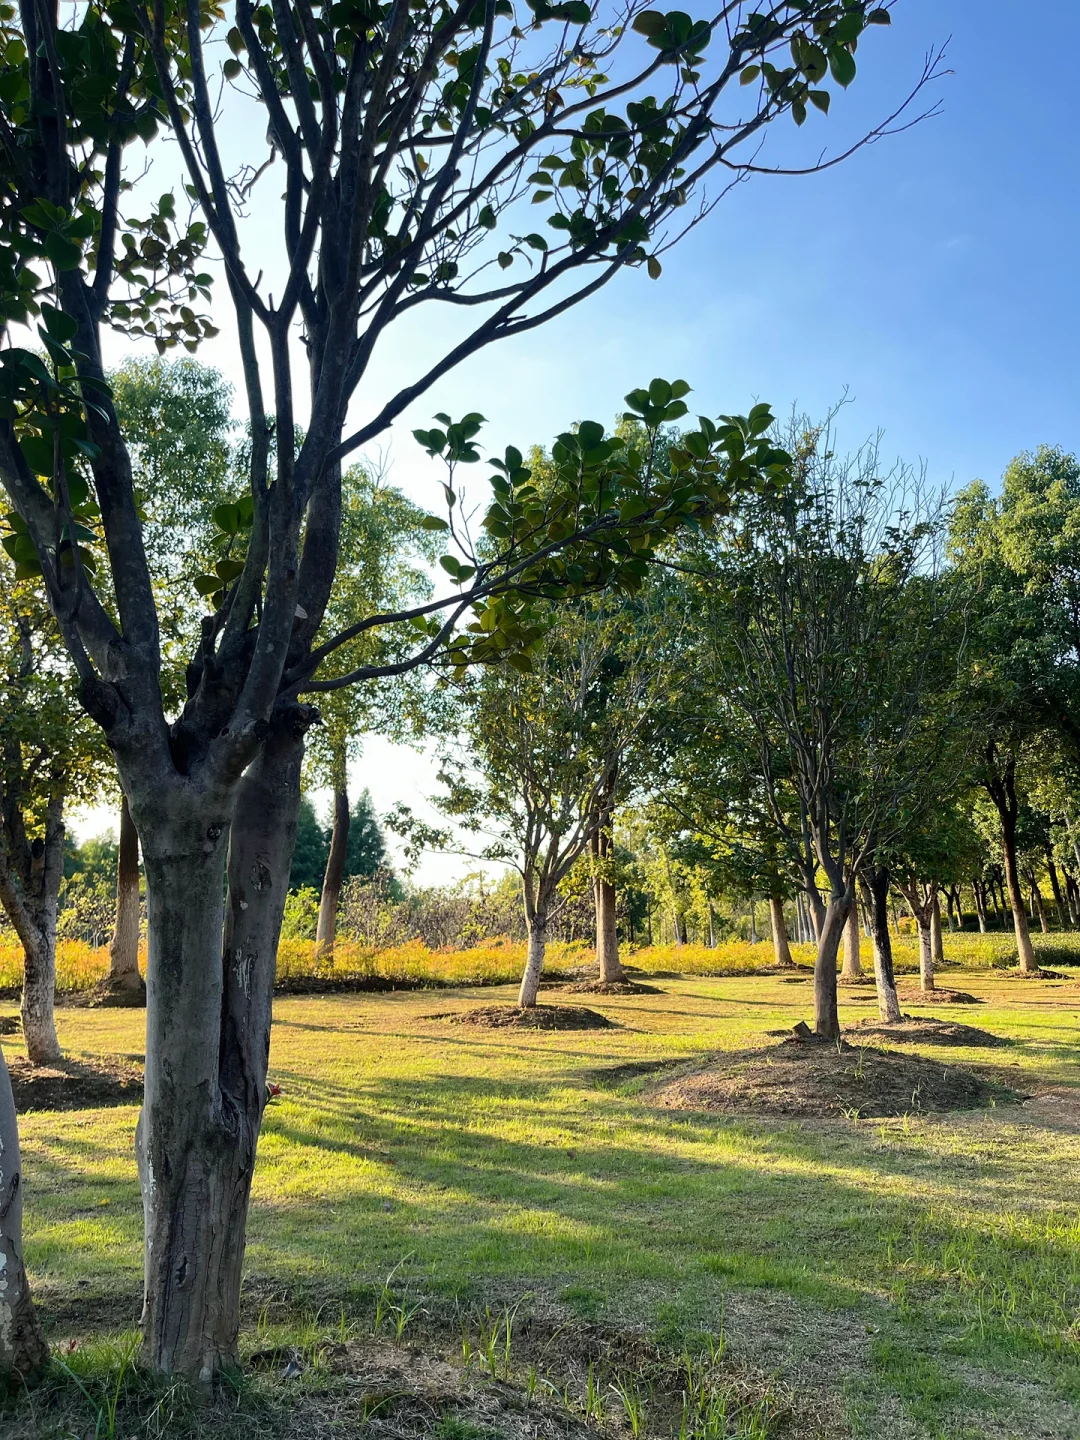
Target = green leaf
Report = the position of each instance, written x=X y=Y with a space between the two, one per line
x=63 y=253
x=842 y=65
x=750 y=74
x=433 y=522
x=60 y=326
x=654 y=267
x=227 y=518
x=207 y=584
x=650 y=23
x=229 y=570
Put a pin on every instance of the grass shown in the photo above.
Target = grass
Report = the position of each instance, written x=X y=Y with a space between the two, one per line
x=482 y=1192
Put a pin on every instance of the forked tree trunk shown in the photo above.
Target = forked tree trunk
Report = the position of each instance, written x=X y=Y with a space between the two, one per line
x=534 y=961
x=607 y=933
x=826 y=1012
x=852 y=960
x=781 y=948
x=124 y=981
x=23 y=1351
x=209 y=988
x=877 y=896
x=935 y=929
x=326 y=933
x=980 y=906
x=817 y=911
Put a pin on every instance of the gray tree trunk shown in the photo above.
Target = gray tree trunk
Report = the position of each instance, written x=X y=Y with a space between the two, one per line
x=1038 y=904
x=23 y=1351
x=607 y=933
x=877 y=895
x=534 y=963
x=980 y=907
x=124 y=983
x=326 y=933
x=781 y=948
x=210 y=980
x=826 y=1013
x=1059 y=898
x=852 y=960
x=926 y=951
x=1029 y=965
x=39 y=939
x=935 y=929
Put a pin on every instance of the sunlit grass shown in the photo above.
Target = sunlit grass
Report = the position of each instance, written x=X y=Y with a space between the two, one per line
x=490 y=1165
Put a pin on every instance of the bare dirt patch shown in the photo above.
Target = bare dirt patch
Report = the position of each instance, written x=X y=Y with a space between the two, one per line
x=826 y=1079
x=75 y=1084
x=938 y=997
x=928 y=1030
x=613 y=987
x=1018 y=974
x=538 y=1017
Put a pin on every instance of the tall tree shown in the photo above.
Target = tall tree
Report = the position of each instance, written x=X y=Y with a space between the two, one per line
x=408 y=136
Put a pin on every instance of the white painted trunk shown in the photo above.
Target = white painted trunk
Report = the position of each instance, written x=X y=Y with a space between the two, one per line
x=38 y=997
x=926 y=952
x=534 y=963
x=852 y=960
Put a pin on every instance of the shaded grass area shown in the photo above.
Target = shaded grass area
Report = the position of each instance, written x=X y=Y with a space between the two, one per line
x=918 y=1276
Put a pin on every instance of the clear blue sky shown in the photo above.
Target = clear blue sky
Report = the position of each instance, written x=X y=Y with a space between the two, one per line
x=933 y=276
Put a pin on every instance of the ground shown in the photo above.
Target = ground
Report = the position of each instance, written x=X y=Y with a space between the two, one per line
x=517 y=1200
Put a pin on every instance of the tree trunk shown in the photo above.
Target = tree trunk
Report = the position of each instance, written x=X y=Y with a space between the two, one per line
x=852 y=959
x=1071 y=896
x=326 y=933
x=980 y=906
x=753 y=921
x=534 y=963
x=935 y=928
x=926 y=951
x=607 y=934
x=826 y=1014
x=817 y=911
x=124 y=983
x=781 y=948
x=23 y=1351
x=1038 y=906
x=209 y=990
x=39 y=941
x=884 y=978
x=1024 y=948
x=1059 y=898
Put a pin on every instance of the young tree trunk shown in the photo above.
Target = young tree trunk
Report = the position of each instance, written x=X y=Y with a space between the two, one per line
x=1059 y=898
x=826 y=1013
x=852 y=960
x=817 y=911
x=753 y=921
x=1038 y=905
x=607 y=934
x=1071 y=896
x=39 y=938
x=980 y=906
x=781 y=948
x=935 y=928
x=1029 y=965
x=326 y=933
x=23 y=1351
x=209 y=988
x=926 y=952
x=884 y=978
x=124 y=984
x=534 y=962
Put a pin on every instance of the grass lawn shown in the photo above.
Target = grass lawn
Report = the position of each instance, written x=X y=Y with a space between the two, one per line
x=910 y=1277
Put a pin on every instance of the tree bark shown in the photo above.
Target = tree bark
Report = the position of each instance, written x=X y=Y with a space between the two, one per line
x=534 y=963
x=1059 y=898
x=1002 y=789
x=852 y=960
x=980 y=906
x=1038 y=904
x=781 y=948
x=124 y=983
x=39 y=939
x=926 y=954
x=209 y=989
x=607 y=933
x=326 y=933
x=935 y=929
x=877 y=889
x=826 y=1013
x=23 y=1351
x=817 y=911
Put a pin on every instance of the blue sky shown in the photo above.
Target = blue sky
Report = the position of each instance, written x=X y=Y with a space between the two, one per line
x=931 y=277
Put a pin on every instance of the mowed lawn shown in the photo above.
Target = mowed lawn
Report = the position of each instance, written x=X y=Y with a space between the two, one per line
x=912 y=1277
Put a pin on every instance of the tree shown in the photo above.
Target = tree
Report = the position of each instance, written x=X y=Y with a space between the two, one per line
x=406 y=134
x=23 y=1349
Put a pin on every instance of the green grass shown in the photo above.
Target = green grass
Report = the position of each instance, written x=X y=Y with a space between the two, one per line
x=919 y=1276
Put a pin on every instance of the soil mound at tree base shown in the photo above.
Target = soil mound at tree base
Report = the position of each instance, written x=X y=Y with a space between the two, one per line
x=1017 y=974
x=937 y=997
x=826 y=1079
x=123 y=992
x=74 y=1084
x=539 y=1017
x=928 y=1030
x=855 y=980
x=613 y=987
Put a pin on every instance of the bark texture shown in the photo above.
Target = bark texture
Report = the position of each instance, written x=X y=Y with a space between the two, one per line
x=877 y=898
x=207 y=1043
x=826 y=1013
x=935 y=930
x=852 y=960
x=781 y=948
x=607 y=933
x=30 y=875
x=124 y=981
x=1001 y=785
x=534 y=962
x=23 y=1351
x=326 y=933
